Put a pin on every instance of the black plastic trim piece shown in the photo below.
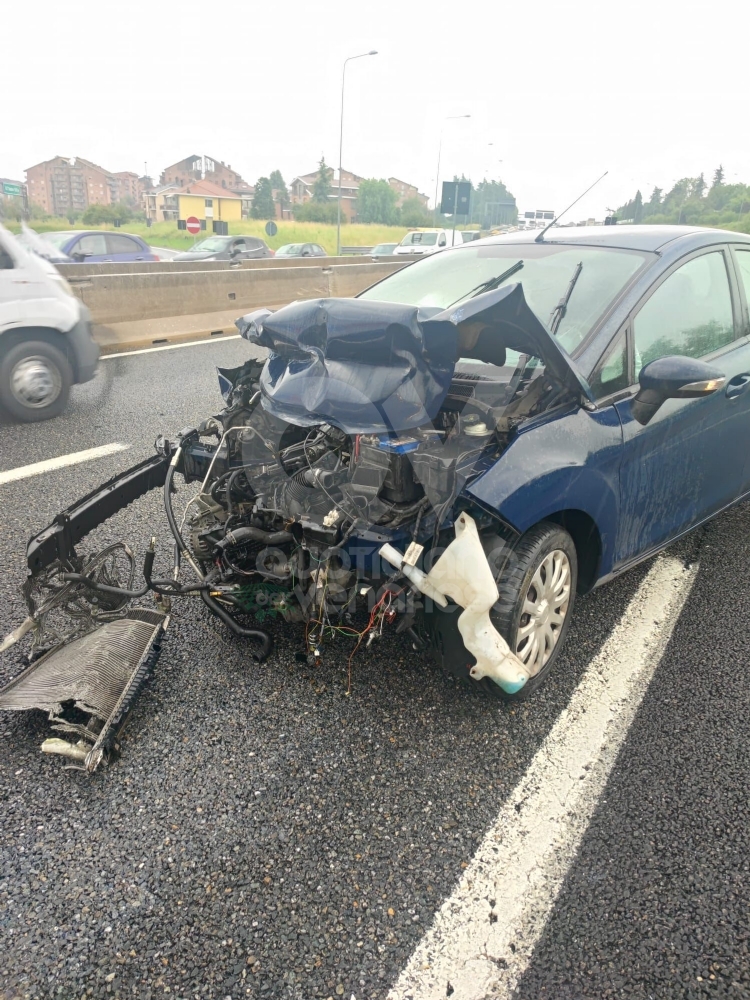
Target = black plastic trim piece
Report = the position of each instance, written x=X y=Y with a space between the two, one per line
x=58 y=540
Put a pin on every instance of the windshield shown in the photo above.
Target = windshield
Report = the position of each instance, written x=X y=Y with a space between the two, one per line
x=212 y=244
x=56 y=239
x=289 y=250
x=443 y=279
x=419 y=239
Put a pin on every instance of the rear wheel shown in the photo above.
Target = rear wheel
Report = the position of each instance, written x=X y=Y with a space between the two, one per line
x=537 y=594
x=35 y=380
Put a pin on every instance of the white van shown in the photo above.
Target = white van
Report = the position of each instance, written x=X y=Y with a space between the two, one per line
x=422 y=241
x=45 y=335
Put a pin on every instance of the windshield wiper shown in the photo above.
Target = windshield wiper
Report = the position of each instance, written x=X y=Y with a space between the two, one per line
x=561 y=308
x=487 y=286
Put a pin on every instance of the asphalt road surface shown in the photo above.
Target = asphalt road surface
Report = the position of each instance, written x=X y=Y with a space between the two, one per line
x=265 y=835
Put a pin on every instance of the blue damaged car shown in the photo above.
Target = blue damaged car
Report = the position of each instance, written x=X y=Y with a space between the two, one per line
x=456 y=453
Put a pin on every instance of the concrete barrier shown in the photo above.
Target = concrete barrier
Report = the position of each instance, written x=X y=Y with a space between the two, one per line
x=141 y=309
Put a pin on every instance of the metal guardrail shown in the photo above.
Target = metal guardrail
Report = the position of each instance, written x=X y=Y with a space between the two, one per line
x=356 y=250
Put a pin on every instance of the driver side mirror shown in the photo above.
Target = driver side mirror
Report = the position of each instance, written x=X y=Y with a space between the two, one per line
x=81 y=255
x=235 y=251
x=673 y=377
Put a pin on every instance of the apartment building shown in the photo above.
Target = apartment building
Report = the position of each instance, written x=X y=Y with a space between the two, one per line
x=302 y=187
x=62 y=186
x=129 y=187
x=301 y=191
x=405 y=191
x=196 y=168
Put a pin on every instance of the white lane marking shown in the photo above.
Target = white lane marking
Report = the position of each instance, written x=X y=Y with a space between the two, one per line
x=51 y=464
x=522 y=861
x=169 y=347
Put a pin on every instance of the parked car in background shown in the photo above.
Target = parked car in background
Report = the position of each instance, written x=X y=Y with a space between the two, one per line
x=97 y=247
x=45 y=335
x=421 y=241
x=383 y=249
x=301 y=250
x=227 y=248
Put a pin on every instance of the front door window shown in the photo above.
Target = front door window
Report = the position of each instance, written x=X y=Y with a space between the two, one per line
x=690 y=314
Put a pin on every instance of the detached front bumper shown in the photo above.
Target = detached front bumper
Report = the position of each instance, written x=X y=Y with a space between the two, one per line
x=58 y=541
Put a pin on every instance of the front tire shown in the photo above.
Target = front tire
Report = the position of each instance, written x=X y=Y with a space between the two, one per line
x=35 y=380
x=537 y=593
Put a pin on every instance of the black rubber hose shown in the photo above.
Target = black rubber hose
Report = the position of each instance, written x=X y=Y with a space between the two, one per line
x=103 y=587
x=168 y=501
x=168 y=587
x=256 y=535
x=217 y=484
x=265 y=640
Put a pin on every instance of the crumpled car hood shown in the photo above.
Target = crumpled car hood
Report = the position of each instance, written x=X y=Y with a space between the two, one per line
x=367 y=367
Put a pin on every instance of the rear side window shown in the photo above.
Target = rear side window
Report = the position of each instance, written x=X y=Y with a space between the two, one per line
x=122 y=244
x=254 y=244
x=94 y=244
x=689 y=314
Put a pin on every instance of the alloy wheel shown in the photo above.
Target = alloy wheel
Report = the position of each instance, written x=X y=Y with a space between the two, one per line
x=543 y=612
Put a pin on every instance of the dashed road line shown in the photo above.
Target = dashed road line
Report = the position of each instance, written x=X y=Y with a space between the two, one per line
x=170 y=347
x=52 y=464
x=483 y=937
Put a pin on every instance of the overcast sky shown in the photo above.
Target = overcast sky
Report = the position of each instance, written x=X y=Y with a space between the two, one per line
x=559 y=92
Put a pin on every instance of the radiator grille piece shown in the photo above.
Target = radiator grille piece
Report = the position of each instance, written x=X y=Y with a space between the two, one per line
x=100 y=672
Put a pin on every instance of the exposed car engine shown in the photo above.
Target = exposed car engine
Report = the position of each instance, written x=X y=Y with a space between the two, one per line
x=299 y=514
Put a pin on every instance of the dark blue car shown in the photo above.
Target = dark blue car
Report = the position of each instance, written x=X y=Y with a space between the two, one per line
x=98 y=247
x=653 y=322
x=463 y=448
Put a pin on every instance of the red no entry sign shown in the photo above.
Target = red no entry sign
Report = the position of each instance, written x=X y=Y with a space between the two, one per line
x=193 y=225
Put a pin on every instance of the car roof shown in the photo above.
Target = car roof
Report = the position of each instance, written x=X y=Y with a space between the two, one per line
x=85 y=232
x=651 y=238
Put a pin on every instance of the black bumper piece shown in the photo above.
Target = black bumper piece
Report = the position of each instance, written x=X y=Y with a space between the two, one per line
x=58 y=541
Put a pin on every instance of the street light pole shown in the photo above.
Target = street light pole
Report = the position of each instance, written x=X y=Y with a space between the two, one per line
x=440 y=149
x=341 y=145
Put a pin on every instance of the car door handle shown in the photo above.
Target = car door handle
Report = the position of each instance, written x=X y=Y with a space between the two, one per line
x=737 y=385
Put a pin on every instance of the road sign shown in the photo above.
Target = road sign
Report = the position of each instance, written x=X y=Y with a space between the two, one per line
x=12 y=190
x=456 y=197
x=271 y=229
x=193 y=225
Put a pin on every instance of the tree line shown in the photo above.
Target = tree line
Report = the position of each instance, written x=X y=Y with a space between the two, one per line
x=377 y=202
x=693 y=201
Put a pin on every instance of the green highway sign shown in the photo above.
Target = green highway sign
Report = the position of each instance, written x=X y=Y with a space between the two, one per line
x=12 y=189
